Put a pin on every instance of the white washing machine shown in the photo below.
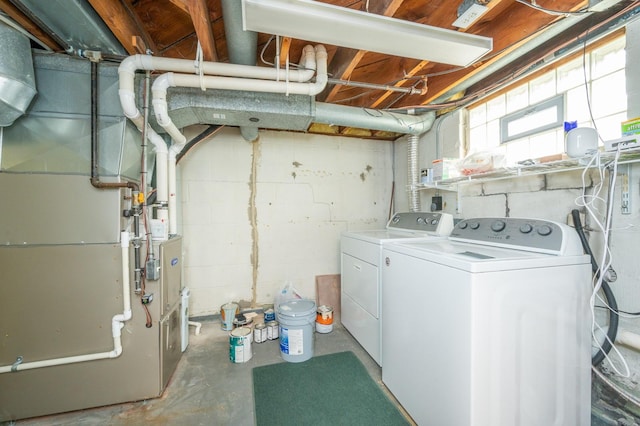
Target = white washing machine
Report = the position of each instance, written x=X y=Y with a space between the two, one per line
x=360 y=311
x=490 y=327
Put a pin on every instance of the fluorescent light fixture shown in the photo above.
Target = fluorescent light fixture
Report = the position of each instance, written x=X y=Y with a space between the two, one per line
x=315 y=21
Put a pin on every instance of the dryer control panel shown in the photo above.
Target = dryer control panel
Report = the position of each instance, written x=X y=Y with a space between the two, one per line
x=422 y=222
x=537 y=235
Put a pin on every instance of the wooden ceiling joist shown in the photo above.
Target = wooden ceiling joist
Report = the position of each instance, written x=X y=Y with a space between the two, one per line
x=346 y=60
x=199 y=12
x=124 y=24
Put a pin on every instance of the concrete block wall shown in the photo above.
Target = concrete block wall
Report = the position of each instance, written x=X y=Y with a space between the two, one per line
x=258 y=215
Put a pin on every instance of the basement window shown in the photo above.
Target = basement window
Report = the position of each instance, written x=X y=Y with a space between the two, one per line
x=525 y=120
x=532 y=120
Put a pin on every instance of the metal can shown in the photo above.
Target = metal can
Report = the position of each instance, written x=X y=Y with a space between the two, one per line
x=260 y=333
x=240 y=345
x=269 y=315
x=324 y=319
x=272 y=330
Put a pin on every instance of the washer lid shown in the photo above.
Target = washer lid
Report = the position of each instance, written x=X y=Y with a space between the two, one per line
x=480 y=258
x=297 y=308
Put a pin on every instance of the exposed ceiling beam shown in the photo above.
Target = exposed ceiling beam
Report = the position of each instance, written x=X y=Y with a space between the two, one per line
x=346 y=60
x=124 y=24
x=507 y=35
x=574 y=36
x=199 y=12
x=285 y=46
x=494 y=7
x=22 y=20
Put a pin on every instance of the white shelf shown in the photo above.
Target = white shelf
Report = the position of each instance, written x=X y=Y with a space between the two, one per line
x=564 y=165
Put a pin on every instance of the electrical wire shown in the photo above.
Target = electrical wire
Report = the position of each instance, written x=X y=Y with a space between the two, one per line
x=552 y=12
x=589 y=203
x=524 y=69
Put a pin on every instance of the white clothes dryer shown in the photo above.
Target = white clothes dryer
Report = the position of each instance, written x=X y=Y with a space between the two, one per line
x=361 y=254
x=490 y=327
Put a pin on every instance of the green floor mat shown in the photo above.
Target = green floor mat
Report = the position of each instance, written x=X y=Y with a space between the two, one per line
x=331 y=389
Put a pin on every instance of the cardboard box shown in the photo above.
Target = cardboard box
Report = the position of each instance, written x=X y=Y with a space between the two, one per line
x=445 y=168
x=631 y=127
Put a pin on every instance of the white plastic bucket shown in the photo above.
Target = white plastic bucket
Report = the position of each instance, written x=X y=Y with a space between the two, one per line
x=297 y=319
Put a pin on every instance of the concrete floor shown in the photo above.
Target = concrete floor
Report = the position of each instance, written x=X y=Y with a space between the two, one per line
x=206 y=388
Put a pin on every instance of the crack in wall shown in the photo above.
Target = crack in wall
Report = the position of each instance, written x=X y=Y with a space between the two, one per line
x=253 y=219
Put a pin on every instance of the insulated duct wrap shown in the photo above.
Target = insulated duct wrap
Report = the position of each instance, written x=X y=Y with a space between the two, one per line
x=17 y=81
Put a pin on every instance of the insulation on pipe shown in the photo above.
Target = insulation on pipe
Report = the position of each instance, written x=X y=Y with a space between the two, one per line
x=170 y=79
x=365 y=118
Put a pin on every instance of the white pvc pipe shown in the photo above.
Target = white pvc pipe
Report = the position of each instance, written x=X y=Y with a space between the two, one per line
x=629 y=339
x=145 y=62
x=160 y=107
x=162 y=83
x=117 y=323
x=173 y=202
x=131 y=64
x=197 y=325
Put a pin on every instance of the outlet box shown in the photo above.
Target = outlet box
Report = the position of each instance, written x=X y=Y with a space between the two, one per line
x=153 y=269
x=436 y=203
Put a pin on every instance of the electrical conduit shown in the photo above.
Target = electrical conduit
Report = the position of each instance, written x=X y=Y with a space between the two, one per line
x=117 y=323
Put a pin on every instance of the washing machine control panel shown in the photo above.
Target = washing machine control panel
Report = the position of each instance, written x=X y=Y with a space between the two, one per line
x=422 y=222
x=526 y=234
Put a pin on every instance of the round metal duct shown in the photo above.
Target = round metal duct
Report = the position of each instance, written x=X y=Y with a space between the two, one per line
x=17 y=81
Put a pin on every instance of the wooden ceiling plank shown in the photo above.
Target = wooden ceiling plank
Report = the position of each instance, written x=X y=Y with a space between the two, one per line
x=199 y=12
x=123 y=22
x=494 y=7
x=345 y=60
x=182 y=4
x=507 y=34
x=285 y=47
x=26 y=23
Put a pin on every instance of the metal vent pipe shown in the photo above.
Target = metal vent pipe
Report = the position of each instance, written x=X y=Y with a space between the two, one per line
x=17 y=80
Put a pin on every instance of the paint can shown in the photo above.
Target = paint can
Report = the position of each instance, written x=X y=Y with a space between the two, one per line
x=228 y=312
x=269 y=315
x=324 y=319
x=296 y=318
x=240 y=345
x=260 y=333
x=272 y=330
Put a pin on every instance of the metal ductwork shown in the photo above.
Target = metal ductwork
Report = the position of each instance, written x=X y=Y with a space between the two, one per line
x=74 y=24
x=17 y=79
x=189 y=106
x=243 y=50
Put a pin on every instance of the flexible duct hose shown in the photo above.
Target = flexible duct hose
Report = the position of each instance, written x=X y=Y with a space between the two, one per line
x=612 y=331
x=413 y=173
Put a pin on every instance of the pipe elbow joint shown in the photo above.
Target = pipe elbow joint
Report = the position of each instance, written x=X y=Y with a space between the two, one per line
x=321 y=52
x=129 y=65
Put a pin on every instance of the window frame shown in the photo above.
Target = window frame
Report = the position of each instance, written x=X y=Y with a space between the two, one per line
x=557 y=101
